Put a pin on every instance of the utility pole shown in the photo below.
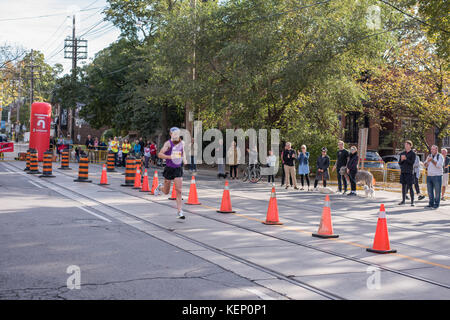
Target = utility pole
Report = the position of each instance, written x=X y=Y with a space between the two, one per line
x=74 y=49
x=189 y=114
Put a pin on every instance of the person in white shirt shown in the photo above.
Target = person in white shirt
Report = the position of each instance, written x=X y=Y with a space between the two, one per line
x=434 y=165
x=271 y=160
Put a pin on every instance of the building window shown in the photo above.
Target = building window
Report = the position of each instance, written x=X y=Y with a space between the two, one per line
x=446 y=142
x=351 y=127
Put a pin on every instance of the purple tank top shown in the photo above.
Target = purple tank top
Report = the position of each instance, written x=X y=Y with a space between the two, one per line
x=177 y=151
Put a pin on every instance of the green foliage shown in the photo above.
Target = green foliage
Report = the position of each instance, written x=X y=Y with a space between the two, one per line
x=284 y=64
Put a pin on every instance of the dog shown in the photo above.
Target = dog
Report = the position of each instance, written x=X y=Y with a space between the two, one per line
x=363 y=178
x=369 y=192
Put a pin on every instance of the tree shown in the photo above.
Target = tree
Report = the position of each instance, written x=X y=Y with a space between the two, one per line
x=413 y=87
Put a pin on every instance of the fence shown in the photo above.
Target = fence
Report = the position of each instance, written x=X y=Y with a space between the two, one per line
x=386 y=175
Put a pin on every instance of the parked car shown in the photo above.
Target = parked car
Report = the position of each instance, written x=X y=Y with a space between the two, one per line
x=373 y=160
x=391 y=158
x=392 y=162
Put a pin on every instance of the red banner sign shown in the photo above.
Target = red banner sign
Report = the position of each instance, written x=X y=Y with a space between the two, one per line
x=6 y=147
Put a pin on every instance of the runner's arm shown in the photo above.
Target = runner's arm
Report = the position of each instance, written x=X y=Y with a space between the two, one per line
x=165 y=147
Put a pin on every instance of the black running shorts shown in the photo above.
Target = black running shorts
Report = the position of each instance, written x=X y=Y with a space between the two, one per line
x=172 y=173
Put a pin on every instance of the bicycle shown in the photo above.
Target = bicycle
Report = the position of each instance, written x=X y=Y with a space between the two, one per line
x=252 y=173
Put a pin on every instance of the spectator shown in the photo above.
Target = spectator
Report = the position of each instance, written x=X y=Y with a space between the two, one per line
x=220 y=158
x=289 y=156
x=147 y=155
x=446 y=171
x=352 y=169
x=120 y=156
x=90 y=147
x=194 y=150
x=407 y=159
x=115 y=150
x=416 y=169
x=271 y=161
x=323 y=162
x=434 y=165
x=342 y=158
x=142 y=145
x=233 y=156
x=77 y=154
x=303 y=166
x=102 y=146
x=137 y=149
x=126 y=148
x=153 y=152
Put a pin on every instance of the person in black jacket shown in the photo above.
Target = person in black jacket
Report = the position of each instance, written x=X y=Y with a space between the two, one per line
x=323 y=162
x=342 y=158
x=289 y=156
x=352 y=169
x=406 y=162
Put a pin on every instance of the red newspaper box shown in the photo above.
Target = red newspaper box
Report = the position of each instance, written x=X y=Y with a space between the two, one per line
x=6 y=147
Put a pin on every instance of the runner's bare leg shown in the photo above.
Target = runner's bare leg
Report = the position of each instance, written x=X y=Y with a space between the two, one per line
x=166 y=186
x=178 y=184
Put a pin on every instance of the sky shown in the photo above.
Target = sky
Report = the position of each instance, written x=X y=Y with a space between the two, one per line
x=44 y=24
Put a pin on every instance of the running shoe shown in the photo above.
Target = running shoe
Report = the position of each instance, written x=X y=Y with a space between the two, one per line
x=181 y=215
x=158 y=190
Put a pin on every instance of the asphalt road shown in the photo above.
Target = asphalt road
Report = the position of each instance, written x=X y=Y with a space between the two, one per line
x=130 y=245
x=42 y=233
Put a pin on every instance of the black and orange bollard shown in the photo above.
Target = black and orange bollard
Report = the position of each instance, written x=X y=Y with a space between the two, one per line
x=65 y=160
x=110 y=165
x=27 y=168
x=130 y=172
x=47 y=165
x=34 y=169
x=83 y=170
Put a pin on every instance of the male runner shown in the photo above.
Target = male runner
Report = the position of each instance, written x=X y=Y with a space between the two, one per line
x=173 y=152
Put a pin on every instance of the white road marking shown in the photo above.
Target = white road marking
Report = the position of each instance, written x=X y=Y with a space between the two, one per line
x=58 y=190
x=260 y=294
x=94 y=214
x=36 y=184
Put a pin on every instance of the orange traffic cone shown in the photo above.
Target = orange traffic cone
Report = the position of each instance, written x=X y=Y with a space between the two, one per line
x=104 y=178
x=155 y=182
x=137 y=179
x=272 y=211
x=174 y=193
x=326 y=227
x=225 y=206
x=145 y=186
x=193 y=199
x=381 y=241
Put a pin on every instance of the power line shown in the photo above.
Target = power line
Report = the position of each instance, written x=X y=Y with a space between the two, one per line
x=46 y=16
x=91 y=4
x=92 y=27
x=49 y=58
x=101 y=30
x=57 y=29
x=413 y=17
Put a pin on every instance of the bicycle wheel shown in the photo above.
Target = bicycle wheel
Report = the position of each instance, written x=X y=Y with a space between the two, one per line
x=245 y=176
x=254 y=177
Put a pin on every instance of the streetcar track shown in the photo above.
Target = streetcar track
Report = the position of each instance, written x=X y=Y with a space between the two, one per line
x=259 y=267
x=242 y=260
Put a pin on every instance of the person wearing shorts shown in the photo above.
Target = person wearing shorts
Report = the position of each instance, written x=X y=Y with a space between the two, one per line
x=173 y=152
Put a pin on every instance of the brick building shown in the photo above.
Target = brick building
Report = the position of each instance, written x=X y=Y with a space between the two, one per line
x=384 y=141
